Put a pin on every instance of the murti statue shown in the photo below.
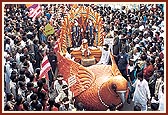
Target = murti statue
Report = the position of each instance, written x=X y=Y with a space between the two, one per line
x=84 y=48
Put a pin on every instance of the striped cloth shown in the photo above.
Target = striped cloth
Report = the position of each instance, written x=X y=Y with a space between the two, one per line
x=56 y=47
x=34 y=11
x=45 y=67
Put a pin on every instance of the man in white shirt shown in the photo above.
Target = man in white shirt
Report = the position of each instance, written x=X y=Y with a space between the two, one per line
x=68 y=54
x=161 y=98
x=105 y=57
x=59 y=83
x=8 y=71
x=142 y=92
x=65 y=93
x=7 y=45
x=12 y=84
x=141 y=27
x=22 y=89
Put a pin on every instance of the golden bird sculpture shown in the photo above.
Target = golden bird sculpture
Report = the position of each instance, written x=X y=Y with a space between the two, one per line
x=96 y=86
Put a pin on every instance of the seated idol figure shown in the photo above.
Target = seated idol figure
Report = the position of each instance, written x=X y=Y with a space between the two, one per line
x=84 y=48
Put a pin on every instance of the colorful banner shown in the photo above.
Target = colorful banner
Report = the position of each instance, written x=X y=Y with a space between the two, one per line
x=45 y=67
x=48 y=30
x=34 y=11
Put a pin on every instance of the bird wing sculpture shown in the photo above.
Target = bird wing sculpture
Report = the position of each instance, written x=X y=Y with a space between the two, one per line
x=77 y=76
x=96 y=86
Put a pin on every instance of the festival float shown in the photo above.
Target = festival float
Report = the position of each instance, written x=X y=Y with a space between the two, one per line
x=96 y=86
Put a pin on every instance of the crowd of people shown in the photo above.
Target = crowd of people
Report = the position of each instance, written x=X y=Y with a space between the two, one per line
x=137 y=43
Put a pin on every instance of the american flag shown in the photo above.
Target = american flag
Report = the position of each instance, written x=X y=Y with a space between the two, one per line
x=34 y=11
x=45 y=67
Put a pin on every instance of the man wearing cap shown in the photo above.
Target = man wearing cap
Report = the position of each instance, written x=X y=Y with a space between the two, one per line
x=58 y=84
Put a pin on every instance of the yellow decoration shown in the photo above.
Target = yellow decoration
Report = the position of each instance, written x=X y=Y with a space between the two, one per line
x=84 y=13
x=49 y=30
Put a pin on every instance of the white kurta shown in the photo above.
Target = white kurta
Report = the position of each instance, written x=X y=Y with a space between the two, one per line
x=105 y=57
x=142 y=92
x=69 y=56
x=161 y=102
x=161 y=97
x=58 y=87
x=62 y=95
x=71 y=108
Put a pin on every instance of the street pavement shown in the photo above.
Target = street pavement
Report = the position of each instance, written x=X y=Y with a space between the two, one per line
x=130 y=107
